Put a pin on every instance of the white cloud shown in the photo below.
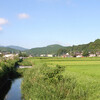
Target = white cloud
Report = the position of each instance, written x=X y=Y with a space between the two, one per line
x=3 y=21
x=23 y=16
x=1 y=28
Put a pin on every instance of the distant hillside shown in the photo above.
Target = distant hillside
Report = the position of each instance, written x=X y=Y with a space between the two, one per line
x=6 y=49
x=51 y=49
x=17 y=48
x=92 y=47
x=56 y=49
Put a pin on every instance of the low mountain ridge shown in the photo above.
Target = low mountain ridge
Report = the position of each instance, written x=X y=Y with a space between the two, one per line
x=54 y=49
x=17 y=48
x=7 y=49
x=92 y=47
x=12 y=49
x=51 y=49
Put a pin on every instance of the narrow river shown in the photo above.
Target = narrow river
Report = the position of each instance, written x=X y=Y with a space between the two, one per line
x=15 y=91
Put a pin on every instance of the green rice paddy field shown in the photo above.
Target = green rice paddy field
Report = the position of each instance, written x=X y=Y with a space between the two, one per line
x=62 y=79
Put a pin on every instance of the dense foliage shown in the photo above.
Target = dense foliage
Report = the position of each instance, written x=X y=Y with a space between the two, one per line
x=86 y=53
x=23 y=54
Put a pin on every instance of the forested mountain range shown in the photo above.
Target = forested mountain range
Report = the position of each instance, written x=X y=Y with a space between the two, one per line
x=91 y=47
x=7 y=49
x=17 y=48
x=51 y=49
x=12 y=49
x=56 y=49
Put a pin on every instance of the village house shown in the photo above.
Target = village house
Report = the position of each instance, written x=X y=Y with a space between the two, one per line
x=49 y=55
x=92 y=55
x=9 y=56
x=66 y=55
x=98 y=54
x=0 y=53
x=43 y=55
x=78 y=56
x=30 y=56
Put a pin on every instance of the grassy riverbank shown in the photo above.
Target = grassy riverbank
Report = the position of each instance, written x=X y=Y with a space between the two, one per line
x=7 y=68
x=7 y=72
x=62 y=79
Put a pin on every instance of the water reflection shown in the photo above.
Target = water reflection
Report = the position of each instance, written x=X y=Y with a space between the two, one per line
x=15 y=90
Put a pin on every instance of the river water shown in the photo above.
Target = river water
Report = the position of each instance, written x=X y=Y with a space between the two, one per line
x=15 y=91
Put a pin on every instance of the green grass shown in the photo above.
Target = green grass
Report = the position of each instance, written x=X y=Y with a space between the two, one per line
x=7 y=68
x=79 y=80
x=7 y=71
x=26 y=62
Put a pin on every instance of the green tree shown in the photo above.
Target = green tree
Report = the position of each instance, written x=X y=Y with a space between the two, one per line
x=22 y=54
x=85 y=53
x=61 y=52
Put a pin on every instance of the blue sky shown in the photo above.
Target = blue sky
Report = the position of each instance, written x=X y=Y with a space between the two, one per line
x=38 y=23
